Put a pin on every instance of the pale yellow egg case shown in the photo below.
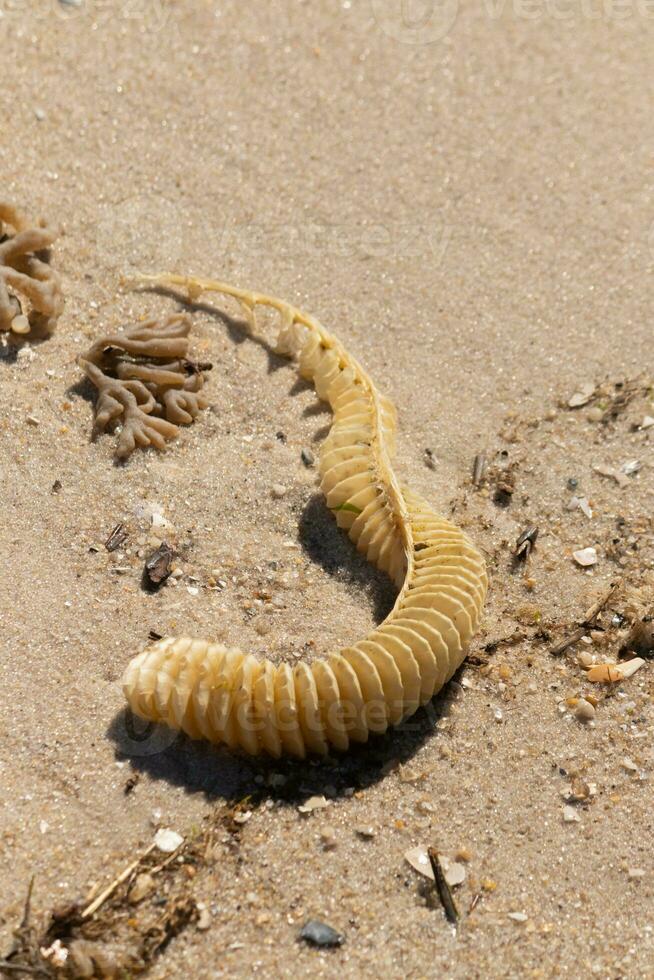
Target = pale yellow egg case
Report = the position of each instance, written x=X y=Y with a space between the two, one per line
x=224 y=695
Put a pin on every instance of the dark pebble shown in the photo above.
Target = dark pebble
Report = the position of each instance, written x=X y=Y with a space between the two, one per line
x=307 y=457
x=318 y=934
x=572 y=483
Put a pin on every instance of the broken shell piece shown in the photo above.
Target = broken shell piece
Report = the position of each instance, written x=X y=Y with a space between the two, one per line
x=570 y=815
x=631 y=467
x=313 y=803
x=647 y=422
x=580 y=503
x=610 y=673
x=418 y=858
x=585 y=557
x=517 y=916
x=582 y=396
x=584 y=711
x=167 y=841
x=616 y=475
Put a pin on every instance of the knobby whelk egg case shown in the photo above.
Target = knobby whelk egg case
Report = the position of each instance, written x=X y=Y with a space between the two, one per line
x=224 y=695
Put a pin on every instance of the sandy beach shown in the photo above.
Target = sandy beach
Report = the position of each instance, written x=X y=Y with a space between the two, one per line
x=463 y=193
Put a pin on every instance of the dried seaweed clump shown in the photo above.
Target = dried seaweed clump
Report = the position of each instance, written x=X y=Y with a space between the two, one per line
x=146 y=382
x=30 y=291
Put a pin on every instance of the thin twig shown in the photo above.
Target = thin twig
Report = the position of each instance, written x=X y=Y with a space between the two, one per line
x=588 y=620
x=110 y=889
x=442 y=887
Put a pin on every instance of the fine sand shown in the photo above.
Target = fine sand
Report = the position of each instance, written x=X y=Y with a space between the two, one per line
x=465 y=199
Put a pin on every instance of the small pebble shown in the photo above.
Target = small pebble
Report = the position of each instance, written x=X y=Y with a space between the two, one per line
x=328 y=838
x=307 y=457
x=584 y=710
x=40 y=114
x=570 y=815
x=634 y=874
x=629 y=765
x=517 y=916
x=278 y=491
x=366 y=832
x=319 y=934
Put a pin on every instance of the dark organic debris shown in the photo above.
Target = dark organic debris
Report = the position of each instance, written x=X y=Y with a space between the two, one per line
x=131 y=783
x=587 y=621
x=117 y=537
x=442 y=887
x=640 y=640
x=307 y=457
x=173 y=921
x=158 y=566
x=154 y=636
x=430 y=461
x=56 y=486
x=319 y=934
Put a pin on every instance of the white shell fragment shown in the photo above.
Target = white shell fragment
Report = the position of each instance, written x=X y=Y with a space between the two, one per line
x=582 y=396
x=167 y=841
x=613 y=474
x=313 y=803
x=585 y=557
x=417 y=857
x=631 y=467
x=517 y=916
x=612 y=673
x=581 y=503
x=570 y=815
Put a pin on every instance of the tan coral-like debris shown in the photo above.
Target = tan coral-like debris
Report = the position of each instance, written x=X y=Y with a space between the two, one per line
x=228 y=696
x=30 y=292
x=146 y=382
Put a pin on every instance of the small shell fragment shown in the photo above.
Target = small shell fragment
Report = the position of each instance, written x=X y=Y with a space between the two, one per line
x=517 y=916
x=167 y=841
x=417 y=857
x=584 y=710
x=580 y=503
x=582 y=396
x=610 y=673
x=313 y=803
x=585 y=557
x=616 y=475
x=570 y=815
